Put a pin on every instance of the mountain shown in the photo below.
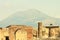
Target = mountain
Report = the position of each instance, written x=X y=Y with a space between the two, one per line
x=29 y=17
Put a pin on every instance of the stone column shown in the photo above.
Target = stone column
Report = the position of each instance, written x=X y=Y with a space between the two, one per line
x=0 y=33
x=40 y=29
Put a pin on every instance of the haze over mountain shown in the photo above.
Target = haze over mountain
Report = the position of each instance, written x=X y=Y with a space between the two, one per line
x=29 y=17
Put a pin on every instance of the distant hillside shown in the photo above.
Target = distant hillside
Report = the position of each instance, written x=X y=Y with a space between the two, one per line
x=29 y=17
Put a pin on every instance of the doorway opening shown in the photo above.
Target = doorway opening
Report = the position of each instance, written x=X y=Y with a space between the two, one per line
x=7 y=37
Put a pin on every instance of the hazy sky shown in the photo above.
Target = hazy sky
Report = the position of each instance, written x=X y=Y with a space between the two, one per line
x=50 y=7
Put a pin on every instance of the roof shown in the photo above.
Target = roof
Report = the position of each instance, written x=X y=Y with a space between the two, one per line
x=52 y=26
x=0 y=28
x=19 y=25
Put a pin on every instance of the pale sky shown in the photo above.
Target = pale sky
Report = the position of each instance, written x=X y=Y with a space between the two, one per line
x=49 y=7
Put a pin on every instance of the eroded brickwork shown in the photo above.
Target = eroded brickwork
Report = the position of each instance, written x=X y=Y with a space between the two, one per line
x=23 y=32
x=11 y=30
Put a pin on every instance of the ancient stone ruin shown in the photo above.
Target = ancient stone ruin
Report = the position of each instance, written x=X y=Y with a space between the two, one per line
x=23 y=32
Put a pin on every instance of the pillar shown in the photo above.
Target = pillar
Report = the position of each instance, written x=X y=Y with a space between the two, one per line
x=40 y=29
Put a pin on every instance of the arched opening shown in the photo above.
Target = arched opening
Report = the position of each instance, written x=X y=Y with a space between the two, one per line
x=20 y=35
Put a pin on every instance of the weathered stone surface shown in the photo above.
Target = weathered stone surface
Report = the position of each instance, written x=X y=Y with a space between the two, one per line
x=13 y=30
x=23 y=32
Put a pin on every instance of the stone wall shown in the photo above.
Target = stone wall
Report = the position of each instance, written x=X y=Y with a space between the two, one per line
x=14 y=28
x=11 y=30
x=42 y=32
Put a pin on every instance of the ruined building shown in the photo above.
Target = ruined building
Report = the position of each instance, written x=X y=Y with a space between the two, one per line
x=16 y=32
x=23 y=32
x=48 y=31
